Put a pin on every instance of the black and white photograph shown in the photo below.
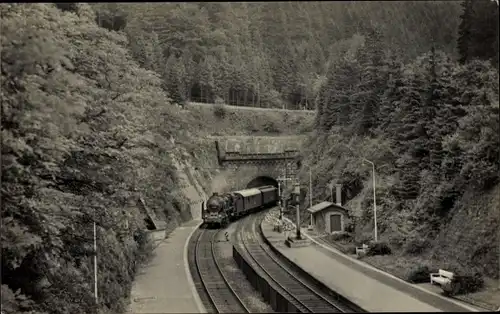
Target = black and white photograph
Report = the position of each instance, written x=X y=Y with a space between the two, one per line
x=250 y=157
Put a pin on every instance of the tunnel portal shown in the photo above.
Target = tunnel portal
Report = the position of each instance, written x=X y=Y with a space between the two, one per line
x=262 y=180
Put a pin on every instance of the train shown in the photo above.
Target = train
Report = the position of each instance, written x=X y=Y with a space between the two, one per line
x=220 y=209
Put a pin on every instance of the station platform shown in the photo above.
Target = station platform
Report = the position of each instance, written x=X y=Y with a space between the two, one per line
x=165 y=284
x=366 y=286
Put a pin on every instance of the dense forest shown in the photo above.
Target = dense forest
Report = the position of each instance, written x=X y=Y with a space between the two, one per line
x=87 y=114
x=270 y=54
x=85 y=133
x=431 y=126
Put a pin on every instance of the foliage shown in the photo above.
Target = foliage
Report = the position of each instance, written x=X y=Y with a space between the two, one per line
x=416 y=246
x=470 y=283
x=220 y=111
x=430 y=126
x=341 y=236
x=378 y=248
x=84 y=133
x=478 y=31
x=271 y=54
x=418 y=274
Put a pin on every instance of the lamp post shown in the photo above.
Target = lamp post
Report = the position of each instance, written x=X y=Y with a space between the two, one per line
x=374 y=200
x=95 y=261
x=310 y=196
x=375 y=231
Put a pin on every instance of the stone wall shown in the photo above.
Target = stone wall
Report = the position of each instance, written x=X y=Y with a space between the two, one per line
x=258 y=144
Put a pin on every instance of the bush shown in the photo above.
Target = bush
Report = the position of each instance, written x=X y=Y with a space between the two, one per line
x=418 y=274
x=396 y=241
x=220 y=111
x=416 y=246
x=344 y=236
x=470 y=283
x=271 y=99
x=378 y=248
x=349 y=249
x=16 y=302
x=219 y=101
x=362 y=239
x=350 y=227
x=271 y=127
x=85 y=76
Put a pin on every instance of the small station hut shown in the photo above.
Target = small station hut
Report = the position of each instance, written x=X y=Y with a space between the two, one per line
x=329 y=217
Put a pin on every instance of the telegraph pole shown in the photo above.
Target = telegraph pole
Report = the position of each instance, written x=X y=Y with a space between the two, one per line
x=374 y=200
x=286 y=179
x=279 y=198
x=286 y=175
x=310 y=189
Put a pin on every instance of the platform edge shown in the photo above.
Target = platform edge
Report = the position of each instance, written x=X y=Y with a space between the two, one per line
x=196 y=297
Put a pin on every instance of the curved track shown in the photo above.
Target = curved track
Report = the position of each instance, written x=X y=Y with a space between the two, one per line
x=222 y=296
x=303 y=295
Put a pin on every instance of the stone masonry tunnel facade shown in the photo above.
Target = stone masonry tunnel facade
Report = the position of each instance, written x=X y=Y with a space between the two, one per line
x=257 y=161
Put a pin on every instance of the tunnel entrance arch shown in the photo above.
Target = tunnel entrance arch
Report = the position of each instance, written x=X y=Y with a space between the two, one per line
x=262 y=180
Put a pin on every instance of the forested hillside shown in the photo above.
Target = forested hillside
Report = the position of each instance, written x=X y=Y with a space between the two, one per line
x=270 y=54
x=85 y=132
x=431 y=127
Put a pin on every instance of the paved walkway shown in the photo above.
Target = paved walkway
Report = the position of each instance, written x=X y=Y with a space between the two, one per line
x=371 y=289
x=165 y=285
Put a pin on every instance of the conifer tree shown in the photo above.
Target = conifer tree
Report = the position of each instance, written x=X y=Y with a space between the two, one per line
x=372 y=82
x=439 y=106
x=173 y=79
x=464 y=35
x=478 y=31
x=388 y=106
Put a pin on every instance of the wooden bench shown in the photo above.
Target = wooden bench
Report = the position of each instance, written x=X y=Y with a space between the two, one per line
x=449 y=282
x=361 y=250
x=442 y=277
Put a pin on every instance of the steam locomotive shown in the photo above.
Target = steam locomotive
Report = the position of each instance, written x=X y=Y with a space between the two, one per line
x=220 y=209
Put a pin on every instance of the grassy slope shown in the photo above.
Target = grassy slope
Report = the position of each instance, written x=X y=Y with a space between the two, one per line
x=242 y=121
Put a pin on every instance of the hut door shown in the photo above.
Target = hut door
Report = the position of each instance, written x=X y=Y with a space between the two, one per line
x=335 y=223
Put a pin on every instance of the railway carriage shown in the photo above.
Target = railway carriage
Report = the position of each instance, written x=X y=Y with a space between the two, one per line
x=247 y=201
x=269 y=195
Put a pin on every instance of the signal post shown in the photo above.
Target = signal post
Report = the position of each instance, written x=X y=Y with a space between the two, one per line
x=296 y=192
x=298 y=241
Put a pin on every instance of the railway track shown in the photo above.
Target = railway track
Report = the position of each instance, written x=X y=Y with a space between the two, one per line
x=303 y=295
x=219 y=294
